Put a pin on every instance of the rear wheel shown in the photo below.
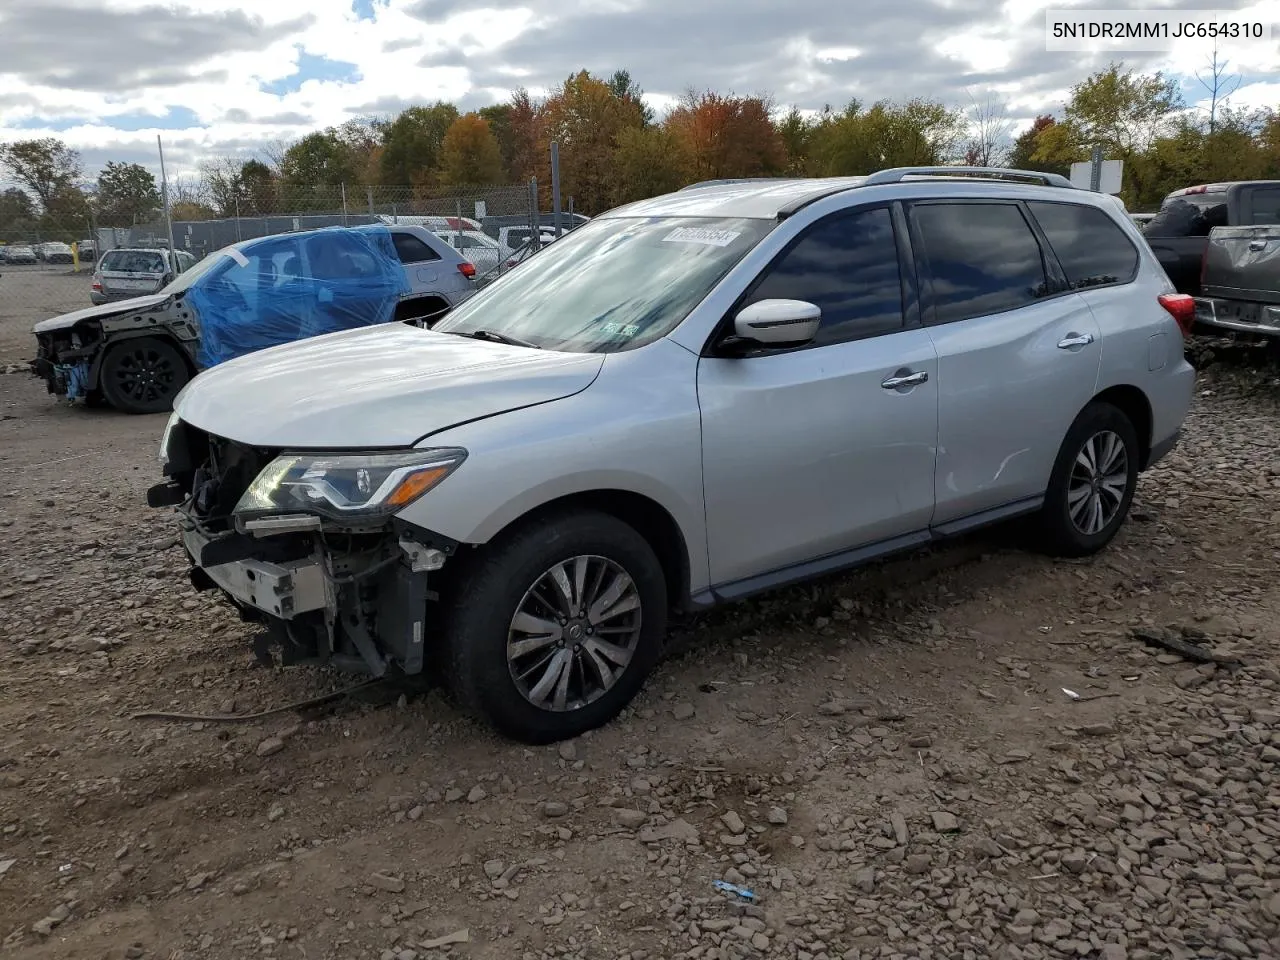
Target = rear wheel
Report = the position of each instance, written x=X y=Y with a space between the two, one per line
x=555 y=628
x=143 y=375
x=1093 y=482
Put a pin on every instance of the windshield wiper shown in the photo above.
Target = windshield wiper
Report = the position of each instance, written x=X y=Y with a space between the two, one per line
x=494 y=337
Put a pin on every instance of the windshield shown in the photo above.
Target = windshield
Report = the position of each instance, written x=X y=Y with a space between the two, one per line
x=611 y=285
x=194 y=273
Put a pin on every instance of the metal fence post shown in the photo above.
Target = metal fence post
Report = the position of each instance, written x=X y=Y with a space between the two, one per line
x=555 y=187
x=369 y=193
x=535 y=225
x=343 y=187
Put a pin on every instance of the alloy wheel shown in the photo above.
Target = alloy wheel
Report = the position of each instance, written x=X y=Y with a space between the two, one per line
x=574 y=633
x=1099 y=478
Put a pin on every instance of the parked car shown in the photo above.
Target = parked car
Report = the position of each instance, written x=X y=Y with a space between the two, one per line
x=55 y=252
x=686 y=401
x=128 y=272
x=1179 y=232
x=88 y=251
x=485 y=252
x=137 y=354
x=515 y=231
x=1240 y=282
x=19 y=253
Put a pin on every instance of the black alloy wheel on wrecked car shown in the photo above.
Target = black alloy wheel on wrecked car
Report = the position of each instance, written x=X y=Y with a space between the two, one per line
x=143 y=375
x=1093 y=482
x=554 y=627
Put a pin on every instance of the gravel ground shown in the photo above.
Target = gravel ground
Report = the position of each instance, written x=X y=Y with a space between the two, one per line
x=29 y=294
x=887 y=760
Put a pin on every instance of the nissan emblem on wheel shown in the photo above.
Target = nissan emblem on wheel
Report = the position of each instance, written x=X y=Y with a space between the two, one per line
x=681 y=403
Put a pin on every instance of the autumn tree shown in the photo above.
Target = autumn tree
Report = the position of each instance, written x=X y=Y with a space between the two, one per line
x=411 y=144
x=521 y=136
x=1025 y=145
x=727 y=136
x=469 y=153
x=127 y=193
x=628 y=91
x=48 y=167
x=585 y=117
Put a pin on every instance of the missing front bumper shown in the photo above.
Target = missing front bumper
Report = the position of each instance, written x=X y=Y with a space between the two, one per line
x=281 y=590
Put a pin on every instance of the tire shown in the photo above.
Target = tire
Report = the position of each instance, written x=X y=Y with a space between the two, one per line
x=1075 y=522
x=510 y=577
x=143 y=375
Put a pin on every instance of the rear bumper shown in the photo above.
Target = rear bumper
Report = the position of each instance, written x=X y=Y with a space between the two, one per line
x=1162 y=449
x=1238 y=316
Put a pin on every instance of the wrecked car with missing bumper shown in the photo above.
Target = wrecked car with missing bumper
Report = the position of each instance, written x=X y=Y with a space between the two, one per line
x=683 y=402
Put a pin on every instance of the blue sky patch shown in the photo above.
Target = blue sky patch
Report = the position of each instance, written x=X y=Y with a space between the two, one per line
x=175 y=118
x=363 y=9
x=311 y=67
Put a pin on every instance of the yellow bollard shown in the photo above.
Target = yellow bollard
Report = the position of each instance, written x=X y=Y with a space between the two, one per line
x=75 y=256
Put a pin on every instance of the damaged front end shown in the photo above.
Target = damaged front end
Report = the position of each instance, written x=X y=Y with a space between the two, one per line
x=64 y=359
x=307 y=544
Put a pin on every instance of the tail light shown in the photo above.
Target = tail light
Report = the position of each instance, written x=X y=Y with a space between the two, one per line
x=1182 y=308
x=97 y=285
x=467 y=269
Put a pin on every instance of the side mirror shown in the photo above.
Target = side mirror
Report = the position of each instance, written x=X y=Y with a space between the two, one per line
x=778 y=323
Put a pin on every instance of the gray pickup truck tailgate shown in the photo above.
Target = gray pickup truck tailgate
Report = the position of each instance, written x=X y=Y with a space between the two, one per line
x=1243 y=263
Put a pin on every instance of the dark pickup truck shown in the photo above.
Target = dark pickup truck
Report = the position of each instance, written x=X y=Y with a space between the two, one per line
x=1240 y=284
x=1179 y=233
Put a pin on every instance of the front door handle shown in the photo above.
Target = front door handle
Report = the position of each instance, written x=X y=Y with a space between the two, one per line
x=1075 y=340
x=1256 y=245
x=900 y=379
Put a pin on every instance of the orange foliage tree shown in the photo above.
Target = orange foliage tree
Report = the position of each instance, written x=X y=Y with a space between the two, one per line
x=728 y=136
x=469 y=153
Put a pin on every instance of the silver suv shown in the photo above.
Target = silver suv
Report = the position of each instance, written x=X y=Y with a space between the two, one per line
x=687 y=400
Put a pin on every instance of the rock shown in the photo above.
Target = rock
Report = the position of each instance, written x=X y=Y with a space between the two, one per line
x=477 y=794
x=899 y=824
x=629 y=819
x=944 y=822
x=1113 y=951
x=275 y=813
x=679 y=830
x=732 y=822
x=1075 y=861
x=760 y=941
x=568 y=752
x=493 y=869
x=44 y=926
x=865 y=879
x=270 y=746
x=453 y=795
x=1189 y=679
x=917 y=864
x=1098 y=730
x=776 y=816
x=683 y=711
x=554 y=809
x=1210 y=872
x=835 y=708
x=198 y=880
x=458 y=936
x=386 y=882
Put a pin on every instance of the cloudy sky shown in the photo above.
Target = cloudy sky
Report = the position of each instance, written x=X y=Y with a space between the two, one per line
x=221 y=77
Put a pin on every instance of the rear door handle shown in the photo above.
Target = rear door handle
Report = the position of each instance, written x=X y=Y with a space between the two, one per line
x=905 y=380
x=1075 y=340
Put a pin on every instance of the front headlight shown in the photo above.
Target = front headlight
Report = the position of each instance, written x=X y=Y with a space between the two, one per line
x=164 y=438
x=348 y=486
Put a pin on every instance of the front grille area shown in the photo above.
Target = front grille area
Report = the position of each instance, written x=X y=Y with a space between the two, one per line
x=222 y=471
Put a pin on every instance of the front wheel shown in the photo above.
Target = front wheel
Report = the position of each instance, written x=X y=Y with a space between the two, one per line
x=143 y=375
x=1092 y=484
x=555 y=627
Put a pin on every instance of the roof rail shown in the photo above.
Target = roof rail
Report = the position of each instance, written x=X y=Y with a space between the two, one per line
x=717 y=183
x=898 y=174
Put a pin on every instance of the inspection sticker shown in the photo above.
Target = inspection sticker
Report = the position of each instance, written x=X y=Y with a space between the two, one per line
x=710 y=238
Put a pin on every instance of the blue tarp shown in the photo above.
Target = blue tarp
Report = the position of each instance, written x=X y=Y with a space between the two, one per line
x=279 y=289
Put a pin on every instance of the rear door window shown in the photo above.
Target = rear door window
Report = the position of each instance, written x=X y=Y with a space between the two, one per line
x=982 y=258
x=133 y=261
x=1093 y=251
x=412 y=250
x=1189 y=215
x=1263 y=204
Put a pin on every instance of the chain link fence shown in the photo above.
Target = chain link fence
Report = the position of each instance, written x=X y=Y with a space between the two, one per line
x=47 y=266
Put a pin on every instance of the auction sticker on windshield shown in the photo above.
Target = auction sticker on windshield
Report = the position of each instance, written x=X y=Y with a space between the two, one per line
x=711 y=238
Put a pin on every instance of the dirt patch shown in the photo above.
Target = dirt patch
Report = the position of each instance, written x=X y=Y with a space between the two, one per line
x=886 y=760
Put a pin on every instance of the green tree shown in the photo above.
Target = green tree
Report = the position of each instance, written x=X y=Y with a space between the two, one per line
x=313 y=169
x=857 y=141
x=46 y=167
x=17 y=213
x=796 y=132
x=628 y=91
x=469 y=153
x=411 y=145
x=648 y=161
x=1025 y=145
x=1122 y=112
x=126 y=194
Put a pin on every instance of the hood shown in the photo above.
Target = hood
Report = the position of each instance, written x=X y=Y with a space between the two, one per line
x=383 y=386
x=113 y=309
